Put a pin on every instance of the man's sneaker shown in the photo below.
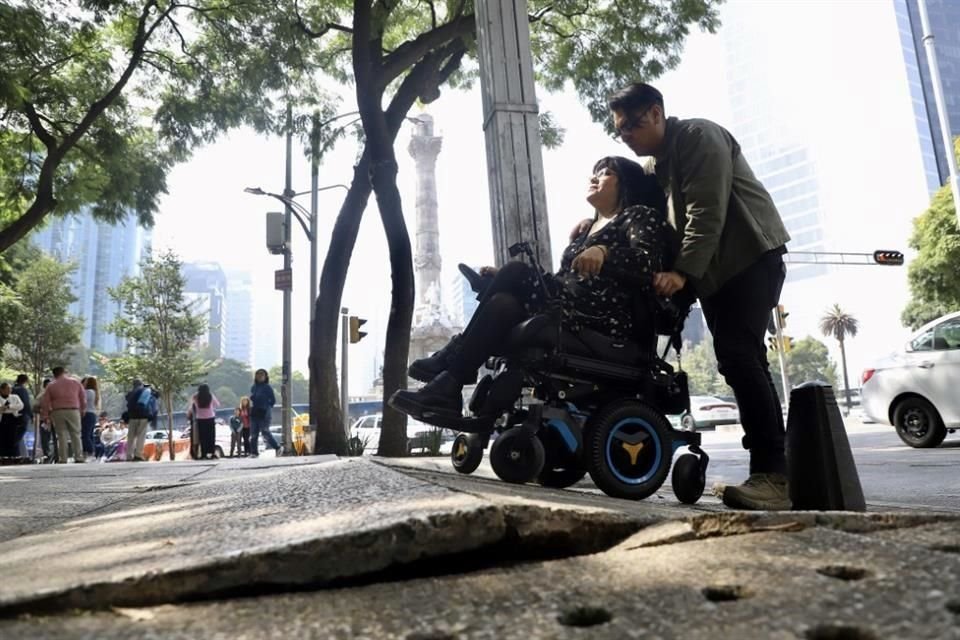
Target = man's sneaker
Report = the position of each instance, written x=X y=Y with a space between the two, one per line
x=761 y=492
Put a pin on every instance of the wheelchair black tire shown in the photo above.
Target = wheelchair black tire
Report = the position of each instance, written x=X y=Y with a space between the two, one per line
x=468 y=459
x=688 y=480
x=517 y=457
x=561 y=478
x=648 y=425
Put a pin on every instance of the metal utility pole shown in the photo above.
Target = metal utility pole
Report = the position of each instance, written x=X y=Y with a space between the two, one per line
x=344 y=349
x=314 y=241
x=941 y=105
x=285 y=390
x=784 y=378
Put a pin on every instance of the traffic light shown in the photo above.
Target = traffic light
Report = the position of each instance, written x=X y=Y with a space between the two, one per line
x=355 y=334
x=782 y=316
x=787 y=344
x=891 y=258
x=774 y=343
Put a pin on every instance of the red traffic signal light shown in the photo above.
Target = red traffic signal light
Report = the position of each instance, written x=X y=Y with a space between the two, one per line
x=891 y=258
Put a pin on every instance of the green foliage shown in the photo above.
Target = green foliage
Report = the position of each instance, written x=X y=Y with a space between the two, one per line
x=161 y=329
x=808 y=360
x=934 y=285
x=227 y=374
x=299 y=385
x=700 y=363
x=39 y=328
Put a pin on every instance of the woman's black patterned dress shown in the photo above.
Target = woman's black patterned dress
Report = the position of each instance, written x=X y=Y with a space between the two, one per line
x=637 y=240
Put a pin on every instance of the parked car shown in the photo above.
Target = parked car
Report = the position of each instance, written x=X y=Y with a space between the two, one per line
x=709 y=411
x=420 y=436
x=915 y=387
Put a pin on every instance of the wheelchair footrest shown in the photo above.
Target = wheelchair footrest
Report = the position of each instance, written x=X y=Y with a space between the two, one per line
x=471 y=424
x=686 y=437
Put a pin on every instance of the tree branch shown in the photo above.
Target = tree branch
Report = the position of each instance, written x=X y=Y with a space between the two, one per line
x=37 y=126
x=316 y=35
x=407 y=54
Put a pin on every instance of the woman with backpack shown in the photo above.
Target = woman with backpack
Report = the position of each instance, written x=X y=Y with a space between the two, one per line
x=262 y=400
x=203 y=408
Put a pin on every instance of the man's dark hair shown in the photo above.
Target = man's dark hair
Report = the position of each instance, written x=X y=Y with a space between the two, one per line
x=57 y=371
x=635 y=185
x=638 y=96
x=23 y=378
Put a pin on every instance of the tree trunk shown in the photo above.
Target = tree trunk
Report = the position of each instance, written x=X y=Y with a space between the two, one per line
x=325 y=410
x=846 y=380
x=393 y=433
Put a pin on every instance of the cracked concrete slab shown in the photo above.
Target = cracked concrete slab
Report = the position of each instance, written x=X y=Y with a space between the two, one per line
x=289 y=525
x=815 y=583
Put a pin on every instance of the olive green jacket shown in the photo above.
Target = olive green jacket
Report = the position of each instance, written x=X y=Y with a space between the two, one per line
x=724 y=216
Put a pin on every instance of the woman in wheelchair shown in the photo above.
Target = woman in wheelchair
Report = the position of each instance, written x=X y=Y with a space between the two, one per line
x=630 y=234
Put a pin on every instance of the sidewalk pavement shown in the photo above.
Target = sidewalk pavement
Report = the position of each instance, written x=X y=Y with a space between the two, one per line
x=359 y=548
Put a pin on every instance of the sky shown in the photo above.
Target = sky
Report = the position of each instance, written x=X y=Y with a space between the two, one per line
x=207 y=216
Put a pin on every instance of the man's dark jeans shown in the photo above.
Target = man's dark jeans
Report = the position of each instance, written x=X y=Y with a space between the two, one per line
x=737 y=316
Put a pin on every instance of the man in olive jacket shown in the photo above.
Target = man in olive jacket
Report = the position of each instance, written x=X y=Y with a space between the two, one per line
x=732 y=242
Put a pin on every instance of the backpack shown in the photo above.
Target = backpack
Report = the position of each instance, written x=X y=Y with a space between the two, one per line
x=140 y=407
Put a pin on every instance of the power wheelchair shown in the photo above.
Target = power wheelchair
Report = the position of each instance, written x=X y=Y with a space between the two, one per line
x=593 y=405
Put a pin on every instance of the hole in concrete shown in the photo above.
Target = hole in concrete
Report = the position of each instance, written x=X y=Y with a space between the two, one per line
x=953 y=606
x=430 y=635
x=725 y=592
x=947 y=548
x=844 y=572
x=585 y=617
x=839 y=632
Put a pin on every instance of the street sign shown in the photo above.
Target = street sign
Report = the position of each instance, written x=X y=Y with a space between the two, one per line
x=283 y=279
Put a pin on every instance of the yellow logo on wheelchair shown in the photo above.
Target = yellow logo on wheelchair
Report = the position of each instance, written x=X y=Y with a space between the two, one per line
x=633 y=450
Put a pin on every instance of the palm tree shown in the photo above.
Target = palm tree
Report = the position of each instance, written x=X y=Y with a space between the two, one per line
x=839 y=324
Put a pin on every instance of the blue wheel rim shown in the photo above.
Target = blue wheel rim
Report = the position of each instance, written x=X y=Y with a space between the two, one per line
x=636 y=426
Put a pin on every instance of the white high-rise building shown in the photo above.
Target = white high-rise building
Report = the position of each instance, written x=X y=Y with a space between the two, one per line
x=104 y=254
x=831 y=128
x=239 y=329
x=206 y=285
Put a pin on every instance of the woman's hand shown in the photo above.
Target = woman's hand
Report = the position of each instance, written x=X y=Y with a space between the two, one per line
x=581 y=227
x=590 y=261
x=668 y=283
x=488 y=271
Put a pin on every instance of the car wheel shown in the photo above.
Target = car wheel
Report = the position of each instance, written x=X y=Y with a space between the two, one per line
x=918 y=423
x=687 y=422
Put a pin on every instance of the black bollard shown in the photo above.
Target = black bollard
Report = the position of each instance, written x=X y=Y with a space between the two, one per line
x=821 y=472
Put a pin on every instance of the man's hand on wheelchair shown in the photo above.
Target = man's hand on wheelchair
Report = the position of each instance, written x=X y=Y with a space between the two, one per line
x=590 y=261
x=488 y=271
x=668 y=283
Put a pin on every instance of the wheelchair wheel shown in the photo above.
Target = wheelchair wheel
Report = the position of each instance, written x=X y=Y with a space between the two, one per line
x=628 y=448
x=516 y=456
x=561 y=468
x=467 y=453
x=688 y=479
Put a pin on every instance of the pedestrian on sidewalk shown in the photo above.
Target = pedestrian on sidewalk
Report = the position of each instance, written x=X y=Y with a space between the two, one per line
x=262 y=400
x=244 y=410
x=64 y=401
x=139 y=409
x=48 y=436
x=10 y=422
x=203 y=409
x=26 y=416
x=88 y=421
x=236 y=426
x=732 y=242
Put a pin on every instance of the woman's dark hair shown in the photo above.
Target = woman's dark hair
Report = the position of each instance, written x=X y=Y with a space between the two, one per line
x=635 y=185
x=204 y=397
x=266 y=376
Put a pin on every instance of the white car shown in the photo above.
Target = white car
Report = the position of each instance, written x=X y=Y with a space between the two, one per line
x=707 y=411
x=366 y=431
x=915 y=388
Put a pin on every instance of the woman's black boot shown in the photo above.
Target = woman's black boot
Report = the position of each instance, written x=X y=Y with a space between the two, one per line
x=442 y=397
x=426 y=369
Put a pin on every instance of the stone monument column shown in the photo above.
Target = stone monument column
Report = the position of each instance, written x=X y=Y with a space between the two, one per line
x=424 y=148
